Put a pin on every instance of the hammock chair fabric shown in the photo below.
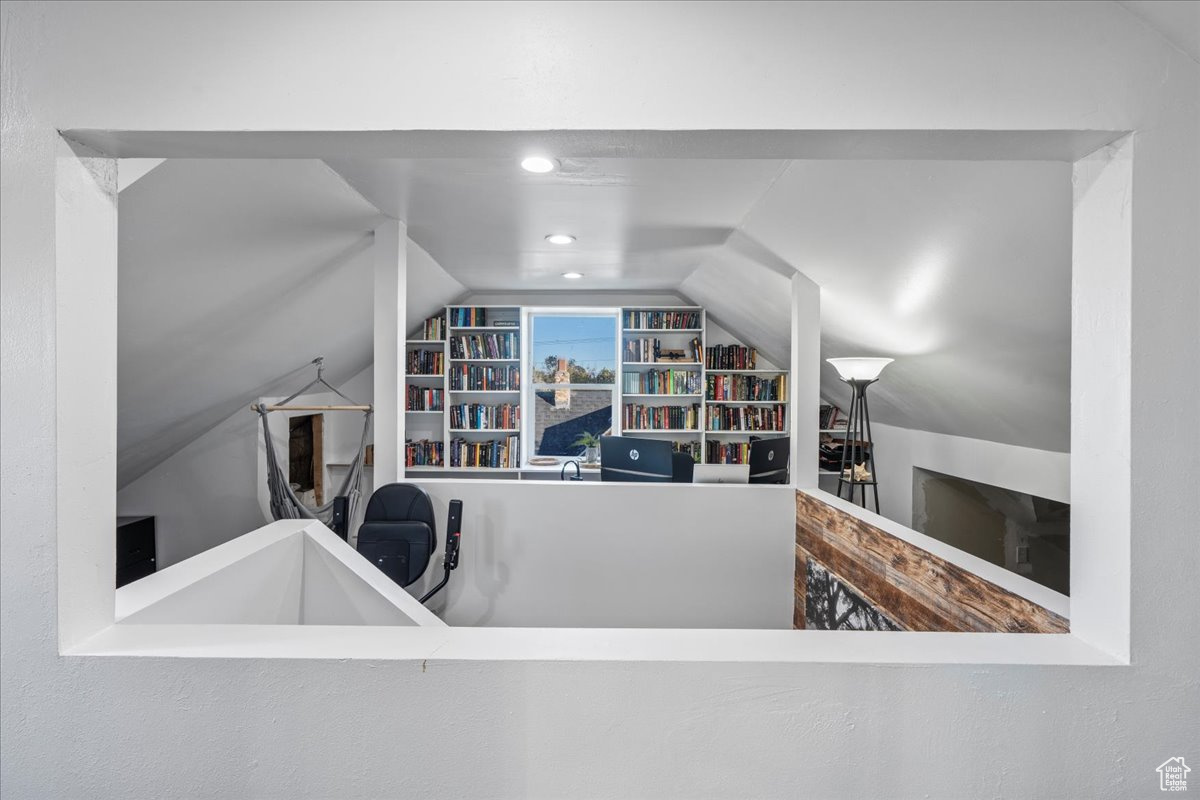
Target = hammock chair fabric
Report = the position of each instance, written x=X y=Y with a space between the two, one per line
x=284 y=502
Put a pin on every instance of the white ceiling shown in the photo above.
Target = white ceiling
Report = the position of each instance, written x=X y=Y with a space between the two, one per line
x=1178 y=21
x=235 y=272
x=959 y=270
x=639 y=223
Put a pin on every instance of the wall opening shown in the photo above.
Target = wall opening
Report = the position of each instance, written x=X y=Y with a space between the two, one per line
x=1025 y=534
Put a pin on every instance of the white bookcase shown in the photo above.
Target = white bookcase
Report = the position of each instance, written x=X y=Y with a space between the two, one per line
x=660 y=395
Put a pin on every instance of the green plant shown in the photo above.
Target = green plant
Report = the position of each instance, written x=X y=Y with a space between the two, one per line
x=587 y=440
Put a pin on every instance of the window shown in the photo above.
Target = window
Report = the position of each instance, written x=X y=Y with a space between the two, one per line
x=573 y=378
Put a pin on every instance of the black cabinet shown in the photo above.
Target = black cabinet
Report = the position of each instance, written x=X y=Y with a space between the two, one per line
x=136 y=552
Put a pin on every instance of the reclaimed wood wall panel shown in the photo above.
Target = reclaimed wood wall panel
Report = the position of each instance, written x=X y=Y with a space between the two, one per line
x=917 y=589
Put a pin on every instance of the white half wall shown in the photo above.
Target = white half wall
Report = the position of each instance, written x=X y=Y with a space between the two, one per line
x=1042 y=473
x=595 y=555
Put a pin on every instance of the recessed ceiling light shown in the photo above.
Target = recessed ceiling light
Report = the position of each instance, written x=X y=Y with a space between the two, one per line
x=572 y=276
x=539 y=164
x=560 y=238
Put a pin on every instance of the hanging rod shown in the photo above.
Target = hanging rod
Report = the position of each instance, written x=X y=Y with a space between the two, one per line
x=256 y=407
x=319 y=363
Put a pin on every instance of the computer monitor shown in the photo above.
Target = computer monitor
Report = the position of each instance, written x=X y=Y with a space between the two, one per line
x=624 y=458
x=769 y=460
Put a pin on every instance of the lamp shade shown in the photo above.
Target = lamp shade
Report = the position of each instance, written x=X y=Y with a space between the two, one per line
x=859 y=369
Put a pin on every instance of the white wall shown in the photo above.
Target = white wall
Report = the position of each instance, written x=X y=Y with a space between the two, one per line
x=591 y=555
x=213 y=489
x=122 y=727
x=1042 y=473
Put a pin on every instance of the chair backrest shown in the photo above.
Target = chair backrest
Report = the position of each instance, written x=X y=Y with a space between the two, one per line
x=682 y=467
x=399 y=534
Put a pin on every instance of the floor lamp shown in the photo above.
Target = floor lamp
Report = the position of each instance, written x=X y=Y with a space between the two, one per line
x=859 y=373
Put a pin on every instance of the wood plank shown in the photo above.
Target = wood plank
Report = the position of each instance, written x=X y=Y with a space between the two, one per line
x=915 y=588
x=318 y=459
x=800 y=591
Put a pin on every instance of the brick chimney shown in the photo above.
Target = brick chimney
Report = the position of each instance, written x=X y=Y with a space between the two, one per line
x=562 y=397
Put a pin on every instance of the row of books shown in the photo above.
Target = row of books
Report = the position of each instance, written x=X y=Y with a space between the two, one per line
x=831 y=417
x=484 y=345
x=480 y=377
x=651 y=351
x=479 y=317
x=662 y=320
x=425 y=362
x=477 y=416
x=434 y=328
x=726 y=452
x=466 y=316
x=423 y=453
x=745 y=418
x=423 y=399
x=745 y=387
x=693 y=449
x=662 y=381
x=498 y=453
x=730 y=356
x=635 y=416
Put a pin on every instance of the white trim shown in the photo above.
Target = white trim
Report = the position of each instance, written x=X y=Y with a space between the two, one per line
x=418 y=645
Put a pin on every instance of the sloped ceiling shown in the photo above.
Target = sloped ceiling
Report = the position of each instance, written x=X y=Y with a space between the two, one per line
x=641 y=224
x=958 y=270
x=1178 y=21
x=233 y=275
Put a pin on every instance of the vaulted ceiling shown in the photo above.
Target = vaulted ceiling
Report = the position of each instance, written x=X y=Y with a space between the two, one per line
x=236 y=272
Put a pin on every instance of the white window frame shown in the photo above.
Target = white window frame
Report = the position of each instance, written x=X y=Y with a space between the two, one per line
x=529 y=387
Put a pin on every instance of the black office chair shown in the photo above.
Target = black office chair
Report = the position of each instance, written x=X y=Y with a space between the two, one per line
x=682 y=467
x=399 y=534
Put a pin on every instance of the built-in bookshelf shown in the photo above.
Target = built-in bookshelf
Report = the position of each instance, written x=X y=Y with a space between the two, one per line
x=464 y=396
x=744 y=397
x=483 y=388
x=425 y=394
x=662 y=376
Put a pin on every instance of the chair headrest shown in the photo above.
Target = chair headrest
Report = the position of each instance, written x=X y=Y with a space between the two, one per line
x=400 y=502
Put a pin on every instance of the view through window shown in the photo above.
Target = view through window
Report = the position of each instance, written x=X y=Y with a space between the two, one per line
x=573 y=374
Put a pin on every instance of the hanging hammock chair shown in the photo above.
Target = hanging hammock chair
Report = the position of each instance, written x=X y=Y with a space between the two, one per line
x=284 y=502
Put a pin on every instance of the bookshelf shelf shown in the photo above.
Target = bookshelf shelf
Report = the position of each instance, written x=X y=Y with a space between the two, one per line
x=745 y=433
x=746 y=402
x=439 y=375
x=481 y=469
x=661 y=364
x=664 y=396
x=484 y=391
x=662 y=330
x=421 y=411
x=508 y=328
x=485 y=360
x=661 y=430
x=484 y=430
x=718 y=371
x=417 y=342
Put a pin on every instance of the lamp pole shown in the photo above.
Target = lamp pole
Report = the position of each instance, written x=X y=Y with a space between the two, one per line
x=859 y=373
x=858 y=439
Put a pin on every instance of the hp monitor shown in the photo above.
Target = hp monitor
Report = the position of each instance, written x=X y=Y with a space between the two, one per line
x=624 y=458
